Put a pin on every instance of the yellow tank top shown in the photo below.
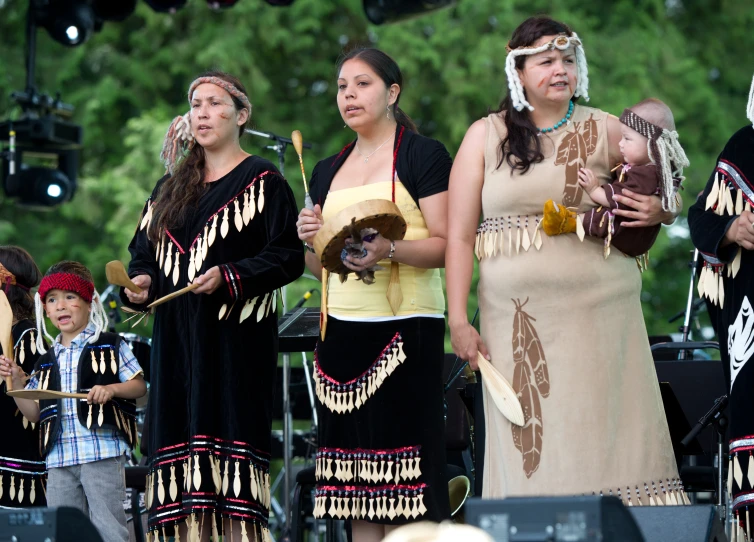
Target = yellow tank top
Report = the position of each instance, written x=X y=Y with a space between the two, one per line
x=422 y=288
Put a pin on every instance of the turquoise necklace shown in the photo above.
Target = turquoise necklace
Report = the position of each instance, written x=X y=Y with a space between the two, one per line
x=561 y=122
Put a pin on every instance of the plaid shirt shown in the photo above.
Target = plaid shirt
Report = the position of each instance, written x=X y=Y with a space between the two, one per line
x=75 y=443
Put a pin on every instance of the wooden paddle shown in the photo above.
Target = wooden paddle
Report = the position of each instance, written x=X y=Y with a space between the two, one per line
x=6 y=333
x=298 y=144
x=116 y=274
x=502 y=393
x=175 y=294
x=36 y=395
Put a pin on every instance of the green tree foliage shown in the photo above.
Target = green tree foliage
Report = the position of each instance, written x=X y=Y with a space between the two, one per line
x=130 y=80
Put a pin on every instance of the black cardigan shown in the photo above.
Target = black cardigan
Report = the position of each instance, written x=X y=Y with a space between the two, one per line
x=423 y=167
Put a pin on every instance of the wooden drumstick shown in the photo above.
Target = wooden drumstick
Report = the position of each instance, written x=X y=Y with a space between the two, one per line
x=6 y=333
x=298 y=144
x=175 y=294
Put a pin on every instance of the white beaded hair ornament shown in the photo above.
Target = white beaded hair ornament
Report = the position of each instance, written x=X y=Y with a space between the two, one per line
x=179 y=139
x=560 y=42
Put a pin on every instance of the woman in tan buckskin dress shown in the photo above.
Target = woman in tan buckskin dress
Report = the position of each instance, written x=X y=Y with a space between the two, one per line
x=559 y=320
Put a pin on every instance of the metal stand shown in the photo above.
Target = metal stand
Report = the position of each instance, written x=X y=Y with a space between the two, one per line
x=716 y=416
x=690 y=307
x=279 y=146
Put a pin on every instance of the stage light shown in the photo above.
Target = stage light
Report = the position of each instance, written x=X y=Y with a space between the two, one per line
x=39 y=187
x=388 y=11
x=70 y=22
x=166 y=6
x=41 y=160
x=113 y=10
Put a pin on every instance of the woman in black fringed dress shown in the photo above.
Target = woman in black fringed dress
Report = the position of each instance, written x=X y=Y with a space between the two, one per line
x=722 y=228
x=224 y=220
x=22 y=469
x=381 y=458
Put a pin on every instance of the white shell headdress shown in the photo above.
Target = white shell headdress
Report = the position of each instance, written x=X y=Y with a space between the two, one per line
x=561 y=42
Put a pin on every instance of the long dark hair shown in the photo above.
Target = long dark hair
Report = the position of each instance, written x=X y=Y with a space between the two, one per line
x=387 y=70
x=21 y=264
x=183 y=189
x=521 y=147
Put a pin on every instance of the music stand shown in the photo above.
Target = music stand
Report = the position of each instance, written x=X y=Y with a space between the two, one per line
x=298 y=331
x=678 y=424
x=697 y=384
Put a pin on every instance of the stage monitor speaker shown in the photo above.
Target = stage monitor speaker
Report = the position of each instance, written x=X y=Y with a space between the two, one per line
x=46 y=525
x=699 y=523
x=554 y=519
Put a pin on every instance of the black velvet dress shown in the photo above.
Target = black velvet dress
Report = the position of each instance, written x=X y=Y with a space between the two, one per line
x=214 y=356
x=727 y=282
x=22 y=470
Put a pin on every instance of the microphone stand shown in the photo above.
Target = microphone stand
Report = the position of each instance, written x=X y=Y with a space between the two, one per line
x=690 y=308
x=715 y=415
x=279 y=146
x=113 y=315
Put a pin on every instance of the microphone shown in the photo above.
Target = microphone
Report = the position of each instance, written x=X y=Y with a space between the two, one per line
x=305 y=298
x=270 y=135
x=707 y=419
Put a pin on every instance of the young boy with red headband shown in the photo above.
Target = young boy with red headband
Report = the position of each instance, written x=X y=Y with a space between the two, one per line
x=83 y=440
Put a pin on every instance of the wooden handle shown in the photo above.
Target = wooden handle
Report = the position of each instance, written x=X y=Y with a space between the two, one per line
x=36 y=395
x=116 y=274
x=298 y=142
x=6 y=333
x=175 y=294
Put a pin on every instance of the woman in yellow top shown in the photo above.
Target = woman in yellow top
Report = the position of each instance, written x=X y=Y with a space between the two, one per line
x=381 y=460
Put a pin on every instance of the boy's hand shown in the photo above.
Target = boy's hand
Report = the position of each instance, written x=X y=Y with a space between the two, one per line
x=99 y=395
x=9 y=368
x=587 y=180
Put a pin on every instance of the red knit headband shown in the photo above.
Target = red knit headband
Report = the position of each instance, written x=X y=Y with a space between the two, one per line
x=68 y=282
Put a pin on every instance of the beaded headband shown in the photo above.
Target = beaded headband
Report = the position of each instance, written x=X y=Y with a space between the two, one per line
x=664 y=151
x=560 y=42
x=69 y=283
x=750 y=104
x=179 y=139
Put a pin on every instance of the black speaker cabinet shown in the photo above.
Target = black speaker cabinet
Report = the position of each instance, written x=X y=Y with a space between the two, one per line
x=554 y=519
x=46 y=525
x=699 y=523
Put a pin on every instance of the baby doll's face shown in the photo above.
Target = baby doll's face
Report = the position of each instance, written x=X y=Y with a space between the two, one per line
x=633 y=146
x=67 y=311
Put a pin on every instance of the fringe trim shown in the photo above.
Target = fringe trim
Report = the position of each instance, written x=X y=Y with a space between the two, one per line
x=168 y=253
x=21 y=486
x=195 y=527
x=368 y=466
x=356 y=502
x=491 y=235
x=340 y=397
x=236 y=472
x=668 y=492
x=729 y=184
